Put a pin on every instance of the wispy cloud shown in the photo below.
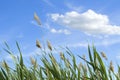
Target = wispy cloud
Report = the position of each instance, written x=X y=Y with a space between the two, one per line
x=108 y=42
x=88 y=22
x=105 y=6
x=104 y=42
x=80 y=44
x=52 y=30
x=34 y=23
x=118 y=56
x=49 y=3
x=64 y=31
x=73 y=7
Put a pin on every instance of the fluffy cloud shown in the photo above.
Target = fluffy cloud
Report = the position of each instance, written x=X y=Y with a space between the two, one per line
x=88 y=22
x=52 y=30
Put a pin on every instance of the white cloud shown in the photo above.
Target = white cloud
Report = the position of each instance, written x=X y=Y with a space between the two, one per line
x=52 y=30
x=64 y=31
x=88 y=22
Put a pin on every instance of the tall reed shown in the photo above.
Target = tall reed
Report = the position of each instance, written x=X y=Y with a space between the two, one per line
x=67 y=68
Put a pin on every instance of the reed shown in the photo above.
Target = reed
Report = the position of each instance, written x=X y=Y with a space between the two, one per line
x=67 y=68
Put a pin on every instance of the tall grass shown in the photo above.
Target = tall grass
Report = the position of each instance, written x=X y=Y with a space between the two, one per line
x=63 y=69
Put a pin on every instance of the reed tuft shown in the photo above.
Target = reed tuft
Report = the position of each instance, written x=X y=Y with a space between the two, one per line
x=49 y=45
x=51 y=68
x=38 y=44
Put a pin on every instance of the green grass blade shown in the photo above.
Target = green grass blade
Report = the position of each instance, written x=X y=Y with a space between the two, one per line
x=5 y=74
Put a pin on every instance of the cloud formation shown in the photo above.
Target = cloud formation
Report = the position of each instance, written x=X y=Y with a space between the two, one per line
x=89 y=22
x=64 y=31
x=53 y=30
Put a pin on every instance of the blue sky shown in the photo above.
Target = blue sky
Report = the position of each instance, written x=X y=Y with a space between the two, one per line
x=72 y=23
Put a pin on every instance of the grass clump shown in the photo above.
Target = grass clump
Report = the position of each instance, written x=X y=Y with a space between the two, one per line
x=67 y=68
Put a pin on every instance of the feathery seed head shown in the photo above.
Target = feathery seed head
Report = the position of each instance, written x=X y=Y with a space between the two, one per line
x=5 y=65
x=38 y=44
x=37 y=18
x=33 y=62
x=62 y=56
x=103 y=55
x=111 y=66
x=49 y=45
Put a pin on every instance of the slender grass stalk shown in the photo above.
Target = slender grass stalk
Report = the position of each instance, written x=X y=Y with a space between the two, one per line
x=67 y=68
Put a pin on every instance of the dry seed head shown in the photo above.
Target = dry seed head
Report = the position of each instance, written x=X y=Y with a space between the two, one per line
x=62 y=56
x=49 y=45
x=111 y=66
x=38 y=44
x=37 y=18
x=5 y=65
x=103 y=55
x=33 y=62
